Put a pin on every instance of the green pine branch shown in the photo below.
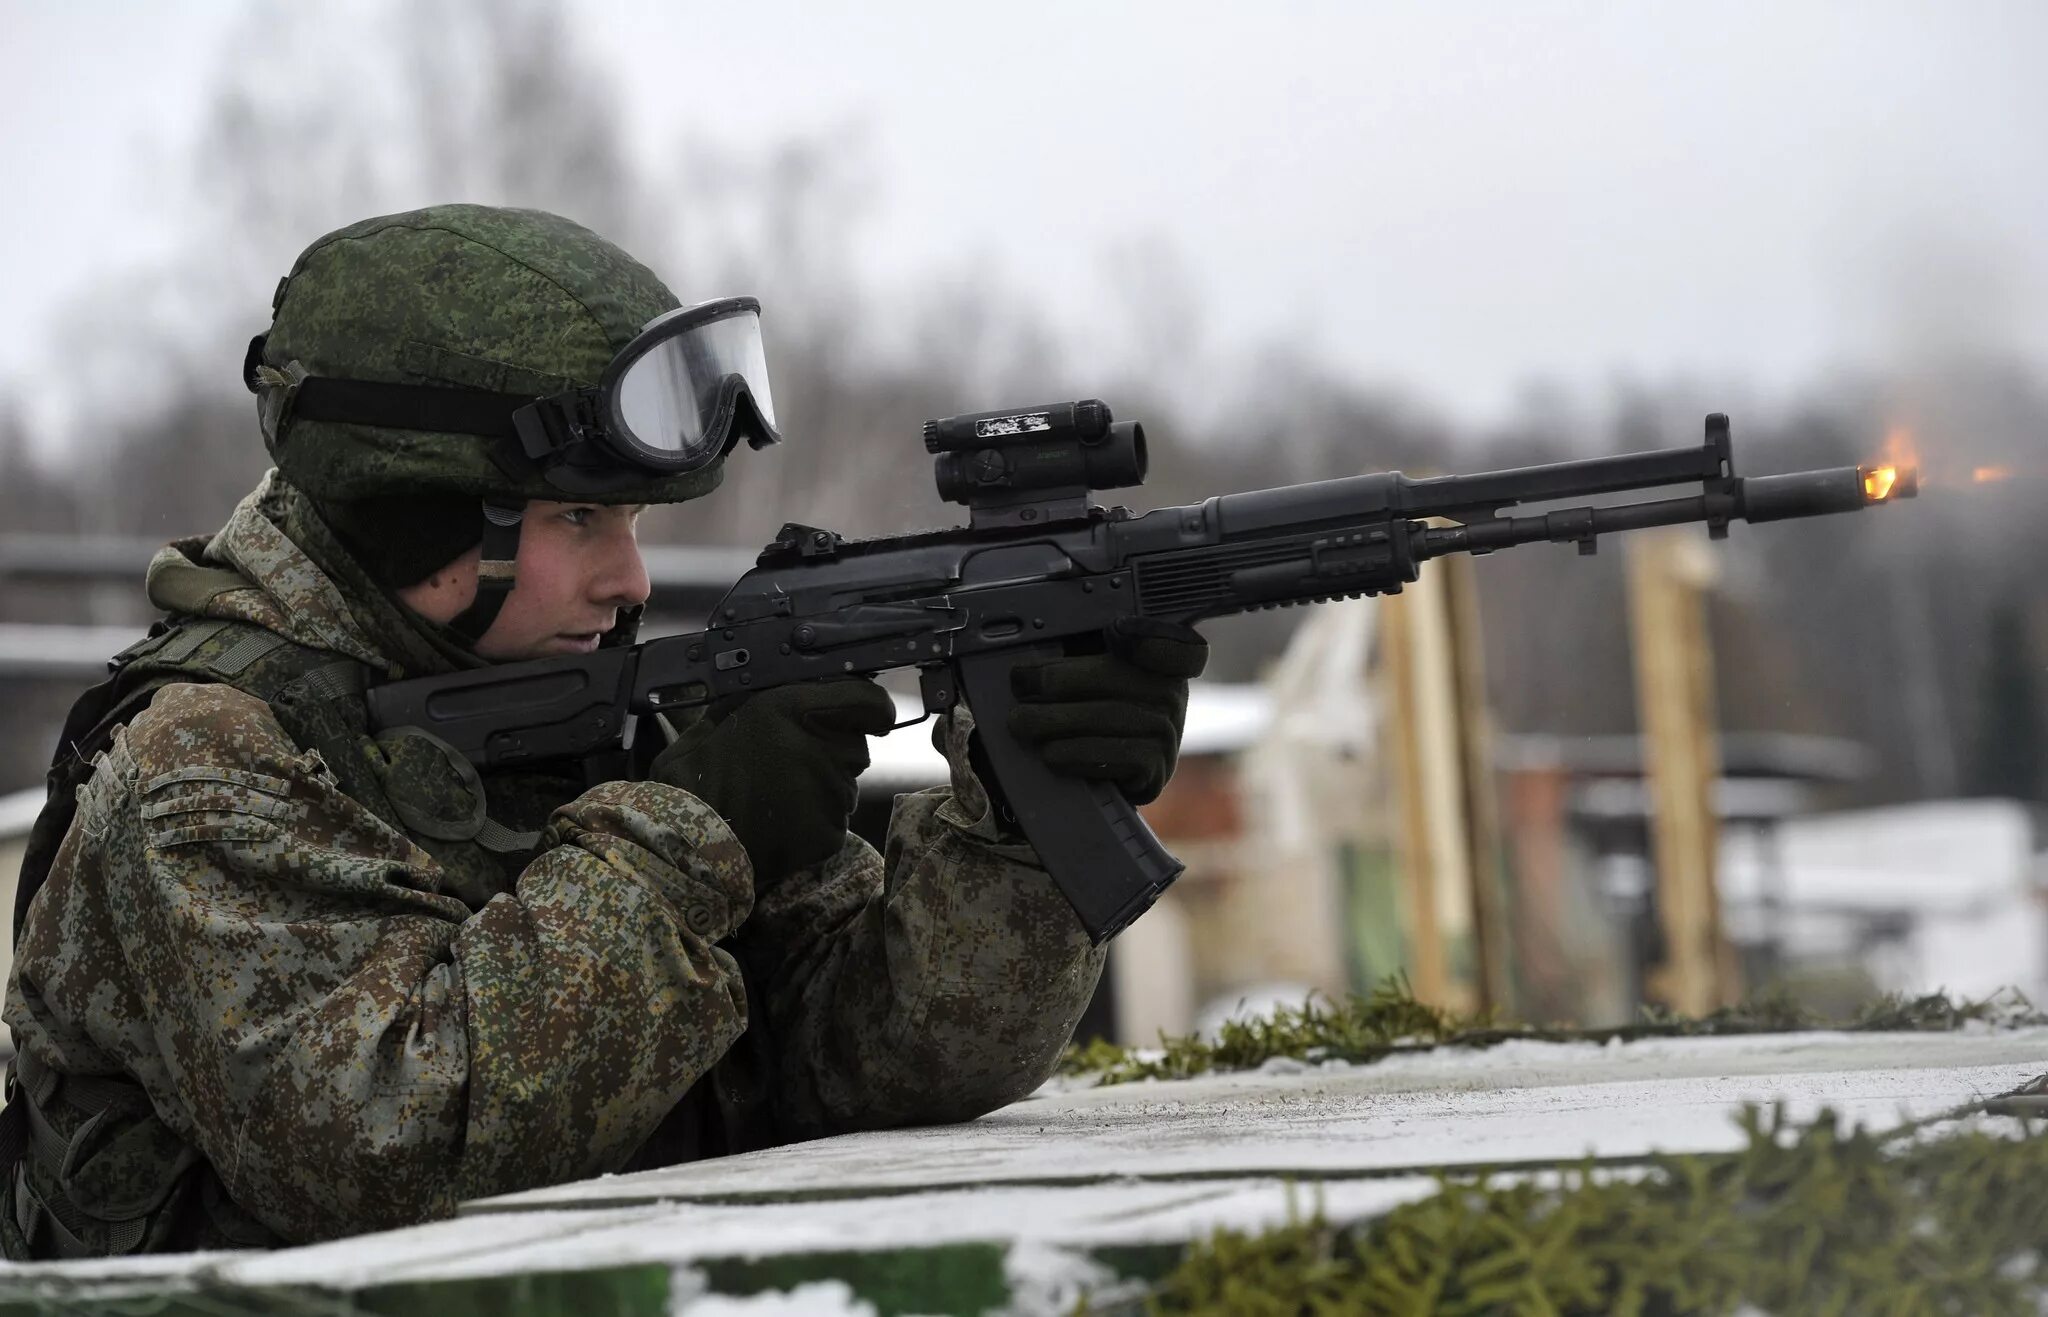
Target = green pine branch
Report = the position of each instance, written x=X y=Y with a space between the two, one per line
x=1388 y=1020
x=1805 y=1219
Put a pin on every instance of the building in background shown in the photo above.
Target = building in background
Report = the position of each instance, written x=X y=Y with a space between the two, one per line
x=1945 y=894
x=1309 y=879
x=1578 y=836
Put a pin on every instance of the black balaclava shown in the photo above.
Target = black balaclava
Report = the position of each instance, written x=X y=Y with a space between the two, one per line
x=402 y=539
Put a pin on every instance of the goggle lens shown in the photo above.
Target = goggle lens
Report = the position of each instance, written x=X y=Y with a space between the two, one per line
x=674 y=397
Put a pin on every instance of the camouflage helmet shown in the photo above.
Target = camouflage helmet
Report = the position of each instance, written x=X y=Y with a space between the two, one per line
x=462 y=296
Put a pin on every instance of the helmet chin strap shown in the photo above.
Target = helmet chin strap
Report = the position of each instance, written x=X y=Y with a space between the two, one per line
x=496 y=571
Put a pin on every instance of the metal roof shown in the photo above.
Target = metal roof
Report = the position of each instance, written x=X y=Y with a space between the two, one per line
x=1742 y=754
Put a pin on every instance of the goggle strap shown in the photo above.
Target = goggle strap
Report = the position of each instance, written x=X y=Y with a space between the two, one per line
x=497 y=570
x=408 y=406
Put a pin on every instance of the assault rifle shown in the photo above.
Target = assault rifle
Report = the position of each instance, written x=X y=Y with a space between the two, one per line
x=1039 y=570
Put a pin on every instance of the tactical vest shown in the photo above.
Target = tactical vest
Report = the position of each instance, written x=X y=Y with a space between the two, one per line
x=170 y=1198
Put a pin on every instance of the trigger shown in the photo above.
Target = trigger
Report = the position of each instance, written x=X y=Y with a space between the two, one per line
x=941 y=691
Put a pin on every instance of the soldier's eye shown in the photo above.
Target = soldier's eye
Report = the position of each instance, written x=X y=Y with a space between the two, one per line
x=578 y=516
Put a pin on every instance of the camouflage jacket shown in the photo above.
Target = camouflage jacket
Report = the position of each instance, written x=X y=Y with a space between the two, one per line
x=342 y=1018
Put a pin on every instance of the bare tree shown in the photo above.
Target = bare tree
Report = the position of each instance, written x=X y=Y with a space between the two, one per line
x=1870 y=627
x=33 y=499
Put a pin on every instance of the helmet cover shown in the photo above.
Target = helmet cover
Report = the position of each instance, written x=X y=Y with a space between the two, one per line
x=477 y=297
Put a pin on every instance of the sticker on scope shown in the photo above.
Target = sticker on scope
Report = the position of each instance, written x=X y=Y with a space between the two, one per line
x=1022 y=423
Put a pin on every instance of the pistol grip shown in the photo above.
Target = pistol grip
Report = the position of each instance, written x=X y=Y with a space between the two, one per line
x=1099 y=851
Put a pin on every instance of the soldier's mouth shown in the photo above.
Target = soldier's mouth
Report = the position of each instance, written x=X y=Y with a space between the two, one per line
x=580 y=642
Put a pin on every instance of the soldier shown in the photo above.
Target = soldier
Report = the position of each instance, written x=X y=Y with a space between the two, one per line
x=286 y=981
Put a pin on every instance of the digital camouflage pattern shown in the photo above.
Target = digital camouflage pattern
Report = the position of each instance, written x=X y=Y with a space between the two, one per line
x=482 y=297
x=341 y=1016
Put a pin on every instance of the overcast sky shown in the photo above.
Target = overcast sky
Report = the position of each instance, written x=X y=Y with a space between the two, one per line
x=1453 y=198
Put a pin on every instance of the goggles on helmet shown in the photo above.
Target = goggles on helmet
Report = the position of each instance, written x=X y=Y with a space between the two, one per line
x=678 y=396
x=691 y=384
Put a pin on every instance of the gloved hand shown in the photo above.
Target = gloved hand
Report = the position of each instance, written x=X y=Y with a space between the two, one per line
x=779 y=767
x=1116 y=716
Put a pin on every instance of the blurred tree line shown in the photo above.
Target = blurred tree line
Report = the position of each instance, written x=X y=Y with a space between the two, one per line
x=1920 y=633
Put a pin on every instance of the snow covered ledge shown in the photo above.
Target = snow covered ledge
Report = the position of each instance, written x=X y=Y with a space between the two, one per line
x=1015 y=1210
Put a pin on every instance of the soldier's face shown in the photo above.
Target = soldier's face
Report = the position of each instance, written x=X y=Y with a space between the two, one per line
x=579 y=564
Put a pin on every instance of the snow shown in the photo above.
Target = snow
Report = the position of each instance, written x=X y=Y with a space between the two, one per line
x=1406 y=1115
x=1936 y=895
x=820 y=1298
x=1947 y=855
x=1048 y=1280
x=1045 y=1227
x=1148 y=1163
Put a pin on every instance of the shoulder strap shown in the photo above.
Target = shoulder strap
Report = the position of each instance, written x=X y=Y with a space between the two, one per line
x=88 y=728
x=305 y=685
x=315 y=694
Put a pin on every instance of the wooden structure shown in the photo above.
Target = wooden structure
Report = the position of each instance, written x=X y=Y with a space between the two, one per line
x=1669 y=572
x=1439 y=741
x=1370 y=804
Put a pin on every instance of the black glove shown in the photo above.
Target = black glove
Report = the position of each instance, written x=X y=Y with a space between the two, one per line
x=1116 y=716
x=779 y=767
